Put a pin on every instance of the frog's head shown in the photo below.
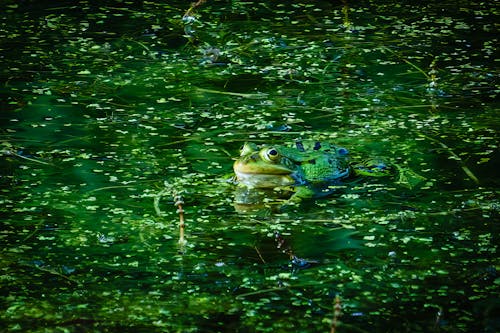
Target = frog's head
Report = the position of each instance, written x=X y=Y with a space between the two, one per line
x=267 y=167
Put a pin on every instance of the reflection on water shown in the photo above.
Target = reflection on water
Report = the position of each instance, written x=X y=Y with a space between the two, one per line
x=109 y=111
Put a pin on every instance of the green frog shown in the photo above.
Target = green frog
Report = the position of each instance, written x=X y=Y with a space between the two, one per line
x=306 y=171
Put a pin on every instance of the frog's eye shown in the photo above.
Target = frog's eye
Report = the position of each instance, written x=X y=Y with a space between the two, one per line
x=271 y=155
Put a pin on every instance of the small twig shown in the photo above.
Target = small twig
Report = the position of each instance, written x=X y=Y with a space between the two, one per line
x=337 y=312
x=177 y=202
x=182 y=225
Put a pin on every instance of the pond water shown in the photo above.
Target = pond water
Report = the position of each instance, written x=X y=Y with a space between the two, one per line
x=110 y=110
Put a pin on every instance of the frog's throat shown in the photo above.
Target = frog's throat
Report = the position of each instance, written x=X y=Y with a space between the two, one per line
x=268 y=180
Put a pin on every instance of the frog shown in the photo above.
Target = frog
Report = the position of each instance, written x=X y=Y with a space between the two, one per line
x=306 y=170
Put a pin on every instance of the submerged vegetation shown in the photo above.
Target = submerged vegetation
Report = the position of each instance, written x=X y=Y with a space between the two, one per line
x=120 y=122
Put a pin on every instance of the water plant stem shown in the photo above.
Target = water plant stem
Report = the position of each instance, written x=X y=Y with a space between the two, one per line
x=259 y=95
x=55 y=273
x=345 y=11
x=465 y=169
x=409 y=63
x=156 y=202
x=194 y=5
x=12 y=153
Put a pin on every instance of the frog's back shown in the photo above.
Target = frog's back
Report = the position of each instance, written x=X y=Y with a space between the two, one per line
x=325 y=162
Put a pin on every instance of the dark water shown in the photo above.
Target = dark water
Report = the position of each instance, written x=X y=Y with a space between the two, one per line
x=109 y=109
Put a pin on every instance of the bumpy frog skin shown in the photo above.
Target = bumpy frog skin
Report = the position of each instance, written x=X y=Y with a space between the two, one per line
x=278 y=166
x=306 y=170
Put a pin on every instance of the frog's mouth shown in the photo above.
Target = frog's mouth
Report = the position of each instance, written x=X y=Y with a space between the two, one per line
x=262 y=180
